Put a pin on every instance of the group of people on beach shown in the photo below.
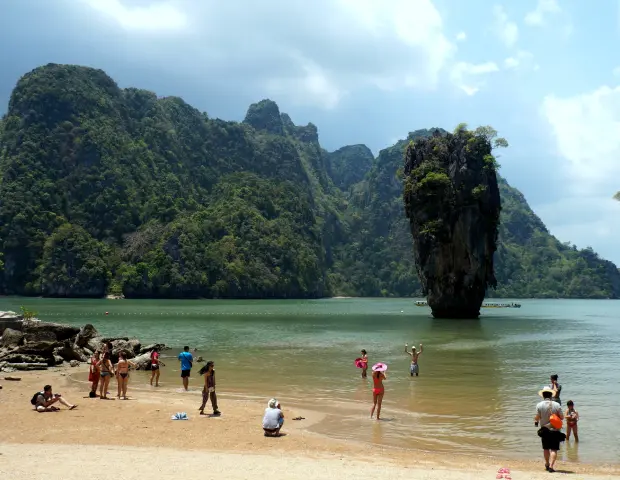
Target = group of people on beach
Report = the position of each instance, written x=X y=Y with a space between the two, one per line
x=550 y=420
x=102 y=369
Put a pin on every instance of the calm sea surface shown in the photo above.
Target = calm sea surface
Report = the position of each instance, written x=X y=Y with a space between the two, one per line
x=478 y=382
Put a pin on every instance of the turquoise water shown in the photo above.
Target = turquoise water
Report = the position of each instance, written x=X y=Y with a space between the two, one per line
x=478 y=382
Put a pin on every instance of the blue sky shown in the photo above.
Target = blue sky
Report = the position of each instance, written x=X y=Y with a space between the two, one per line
x=544 y=73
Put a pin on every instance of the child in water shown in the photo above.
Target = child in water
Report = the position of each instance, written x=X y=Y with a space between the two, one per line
x=572 y=417
x=364 y=363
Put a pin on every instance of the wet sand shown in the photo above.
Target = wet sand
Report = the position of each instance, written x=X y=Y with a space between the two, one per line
x=139 y=435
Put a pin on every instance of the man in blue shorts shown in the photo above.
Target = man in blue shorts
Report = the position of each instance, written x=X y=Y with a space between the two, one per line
x=186 y=360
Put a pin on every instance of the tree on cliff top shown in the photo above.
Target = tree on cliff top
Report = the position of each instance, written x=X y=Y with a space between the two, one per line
x=617 y=196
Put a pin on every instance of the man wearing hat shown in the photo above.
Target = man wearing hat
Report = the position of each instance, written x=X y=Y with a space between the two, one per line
x=549 y=432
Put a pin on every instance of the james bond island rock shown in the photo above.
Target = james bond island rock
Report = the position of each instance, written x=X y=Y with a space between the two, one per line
x=452 y=201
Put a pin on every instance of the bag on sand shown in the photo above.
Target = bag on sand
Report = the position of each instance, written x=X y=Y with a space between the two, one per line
x=33 y=400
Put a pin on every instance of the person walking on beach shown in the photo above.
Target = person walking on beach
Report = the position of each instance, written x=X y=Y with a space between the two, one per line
x=155 y=364
x=364 y=363
x=122 y=370
x=209 y=389
x=93 y=374
x=556 y=387
x=106 y=370
x=548 y=414
x=572 y=417
x=414 y=368
x=186 y=360
x=378 y=375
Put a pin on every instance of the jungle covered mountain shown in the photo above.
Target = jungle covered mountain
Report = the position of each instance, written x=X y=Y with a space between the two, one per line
x=109 y=190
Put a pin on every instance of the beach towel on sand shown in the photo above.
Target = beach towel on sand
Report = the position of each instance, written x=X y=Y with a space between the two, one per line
x=179 y=416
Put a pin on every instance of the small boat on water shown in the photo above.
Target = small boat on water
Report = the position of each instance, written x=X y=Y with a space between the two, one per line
x=423 y=303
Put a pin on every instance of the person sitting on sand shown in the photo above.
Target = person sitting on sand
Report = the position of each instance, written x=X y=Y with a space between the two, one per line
x=122 y=369
x=106 y=370
x=93 y=374
x=273 y=418
x=209 y=388
x=572 y=417
x=414 y=369
x=155 y=364
x=46 y=399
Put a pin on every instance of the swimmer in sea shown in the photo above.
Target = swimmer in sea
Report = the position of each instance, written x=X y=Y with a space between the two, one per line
x=415 y=369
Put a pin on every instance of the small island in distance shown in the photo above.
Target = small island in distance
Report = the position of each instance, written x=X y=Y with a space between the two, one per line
x=116 y=191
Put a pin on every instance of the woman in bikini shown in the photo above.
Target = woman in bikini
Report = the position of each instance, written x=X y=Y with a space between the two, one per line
x=106 y=370
x=122 y=369
x=155 y=364
x=378 y=390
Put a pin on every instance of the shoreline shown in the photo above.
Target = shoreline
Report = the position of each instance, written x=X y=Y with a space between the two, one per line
x=145 y=420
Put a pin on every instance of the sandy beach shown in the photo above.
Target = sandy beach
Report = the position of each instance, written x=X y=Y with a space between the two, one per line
x=139 y=436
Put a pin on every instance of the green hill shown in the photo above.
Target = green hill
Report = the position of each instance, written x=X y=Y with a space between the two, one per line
x=109 y=190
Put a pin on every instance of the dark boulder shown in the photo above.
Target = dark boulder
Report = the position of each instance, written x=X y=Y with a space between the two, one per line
x=11 y=338
x=119 y=346
x=86 y=333
x=157 y=347
x=60 y=330
x=70 y=351
x=39 y=341
x=452 y=201
x=135 y=345
x=143 y=361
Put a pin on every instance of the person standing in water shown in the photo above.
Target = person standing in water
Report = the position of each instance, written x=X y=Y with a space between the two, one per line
x=572 y=417
x=414 y=369
x=209 y=389
x=550 y=436
x=155 y=364
x=364 y=363
x=186 y=360
x=378 y=390
x=556 y=387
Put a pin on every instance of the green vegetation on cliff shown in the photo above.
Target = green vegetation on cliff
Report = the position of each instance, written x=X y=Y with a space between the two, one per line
x=111 y=190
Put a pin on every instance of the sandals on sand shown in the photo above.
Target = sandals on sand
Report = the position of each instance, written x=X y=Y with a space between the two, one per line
x=299 y=418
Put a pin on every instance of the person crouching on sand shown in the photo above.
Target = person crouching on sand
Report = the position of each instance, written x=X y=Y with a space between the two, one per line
x=378 y=375
x=45 y=400
x=273 y=418
x=208 y=390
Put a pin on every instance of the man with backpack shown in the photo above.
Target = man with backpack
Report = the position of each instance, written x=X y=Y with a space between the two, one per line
x=186 y=360
x=44 y=401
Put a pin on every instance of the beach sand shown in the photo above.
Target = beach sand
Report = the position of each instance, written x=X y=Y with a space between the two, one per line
x=100 y=438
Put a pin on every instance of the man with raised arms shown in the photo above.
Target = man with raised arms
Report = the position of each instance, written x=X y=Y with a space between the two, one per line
x=414 y=354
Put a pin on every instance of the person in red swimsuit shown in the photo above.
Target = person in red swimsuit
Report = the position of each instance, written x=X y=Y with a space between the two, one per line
x=378 y=390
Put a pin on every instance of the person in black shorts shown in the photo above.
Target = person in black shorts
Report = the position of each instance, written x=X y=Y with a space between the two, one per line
x=186 y=360
x=551 y=436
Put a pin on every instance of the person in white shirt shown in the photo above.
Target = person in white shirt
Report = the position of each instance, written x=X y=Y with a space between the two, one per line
x=273 y=418
x=550 y=436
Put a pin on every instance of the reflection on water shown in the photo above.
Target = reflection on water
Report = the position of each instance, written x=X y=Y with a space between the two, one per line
x=478 y=382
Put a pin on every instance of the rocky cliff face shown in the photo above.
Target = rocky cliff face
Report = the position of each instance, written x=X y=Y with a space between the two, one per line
x=452 y=201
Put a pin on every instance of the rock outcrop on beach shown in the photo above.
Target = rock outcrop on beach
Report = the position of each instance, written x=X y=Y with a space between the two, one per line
x=38 y=345
x=452 y=201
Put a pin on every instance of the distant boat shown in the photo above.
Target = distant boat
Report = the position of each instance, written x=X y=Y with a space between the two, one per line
x=423 y=303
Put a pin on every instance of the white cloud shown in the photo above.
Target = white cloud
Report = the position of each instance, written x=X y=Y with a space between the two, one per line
x=157 y=16
x=585 y=221
x=277 y=46
x=469 y=77
x=521 y=60
x=586 y=130
x=506 y=30
x=544 y=8
x=461 y=37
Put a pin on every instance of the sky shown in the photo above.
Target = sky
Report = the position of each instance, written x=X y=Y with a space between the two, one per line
x=544 y=73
